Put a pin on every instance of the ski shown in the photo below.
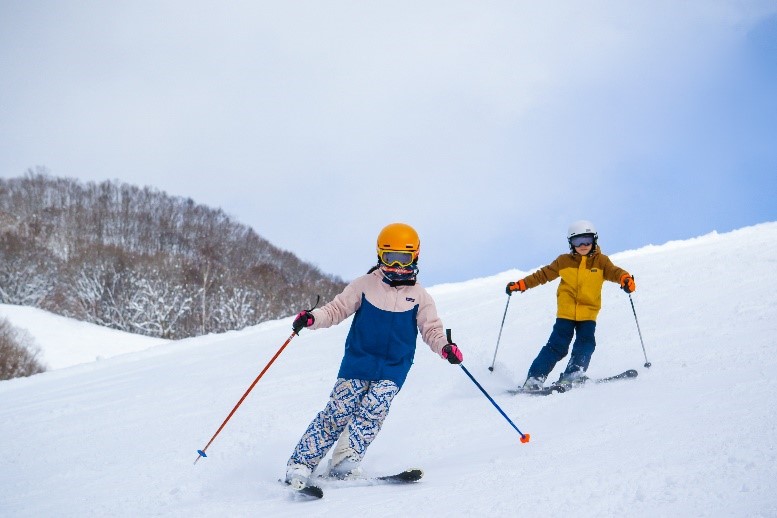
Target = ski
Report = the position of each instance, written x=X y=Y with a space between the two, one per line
x=307 y=490
x=311 y=491
x=553 y=388
x=544 y=391
x=314 y=491
x=404 y=477
x=631 y=373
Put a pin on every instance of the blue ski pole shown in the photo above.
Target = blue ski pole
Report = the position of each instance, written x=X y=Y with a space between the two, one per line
x=524 y=437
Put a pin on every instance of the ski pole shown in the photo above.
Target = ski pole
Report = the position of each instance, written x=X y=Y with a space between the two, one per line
x=524 y=437
x=500 y=334
x=201 y=453
x=647 y=363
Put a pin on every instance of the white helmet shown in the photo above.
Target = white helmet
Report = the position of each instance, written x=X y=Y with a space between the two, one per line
x=581 y=227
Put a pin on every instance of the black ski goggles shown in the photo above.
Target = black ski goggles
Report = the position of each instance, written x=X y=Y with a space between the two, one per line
x=396 y=258
x=582 y=240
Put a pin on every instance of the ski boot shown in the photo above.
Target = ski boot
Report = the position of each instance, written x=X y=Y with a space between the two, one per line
x=533 y=384
x=569 y=380
x=298 y=476
x=345 y=469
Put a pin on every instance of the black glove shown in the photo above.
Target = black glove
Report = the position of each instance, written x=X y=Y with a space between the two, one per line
x=304 y=319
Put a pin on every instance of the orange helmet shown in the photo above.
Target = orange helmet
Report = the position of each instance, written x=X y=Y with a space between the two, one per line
x=398 y=237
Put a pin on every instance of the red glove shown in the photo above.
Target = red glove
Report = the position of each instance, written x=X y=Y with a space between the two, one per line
x=515 y=286
x=627 y=283
x=452 y=353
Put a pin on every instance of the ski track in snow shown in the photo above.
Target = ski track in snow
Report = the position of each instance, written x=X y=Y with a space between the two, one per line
x=695 y=435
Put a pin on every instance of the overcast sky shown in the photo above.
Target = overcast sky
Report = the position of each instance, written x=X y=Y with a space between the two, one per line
x=487 y=125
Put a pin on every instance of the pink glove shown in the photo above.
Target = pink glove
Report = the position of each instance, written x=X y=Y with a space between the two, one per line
x=304 y=319
x=452 y=353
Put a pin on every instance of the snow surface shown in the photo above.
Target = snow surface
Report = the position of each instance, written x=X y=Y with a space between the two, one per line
x=695 y=435
x=64 y=342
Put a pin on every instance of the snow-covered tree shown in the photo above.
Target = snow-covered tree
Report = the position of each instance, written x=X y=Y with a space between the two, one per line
x=99 y=296
x=156 y=307
x=27 y=273
x=18 y=352
x=235 y=309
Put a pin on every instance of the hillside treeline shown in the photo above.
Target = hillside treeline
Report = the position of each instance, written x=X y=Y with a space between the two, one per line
x=138 y=260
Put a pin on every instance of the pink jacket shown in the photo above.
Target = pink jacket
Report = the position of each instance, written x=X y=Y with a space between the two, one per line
x=381 y=342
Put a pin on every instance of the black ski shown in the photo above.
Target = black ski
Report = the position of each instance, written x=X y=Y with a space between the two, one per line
x=407 y=476
x=308 y=490
x=631 y=373
x=311 y=491
x=546 y=391
x=404 y=477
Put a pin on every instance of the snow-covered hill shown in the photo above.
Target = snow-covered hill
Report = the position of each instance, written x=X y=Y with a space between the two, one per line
x=695 y=435
x=64 y=342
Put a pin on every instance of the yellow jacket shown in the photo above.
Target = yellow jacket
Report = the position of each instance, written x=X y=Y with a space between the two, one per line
x=579 y=294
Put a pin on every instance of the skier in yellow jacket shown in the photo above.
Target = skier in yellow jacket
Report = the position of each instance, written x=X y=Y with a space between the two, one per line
x=583 y=272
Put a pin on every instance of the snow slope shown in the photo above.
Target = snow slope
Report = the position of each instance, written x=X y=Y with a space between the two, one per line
x=695 y=435
x=64 y=342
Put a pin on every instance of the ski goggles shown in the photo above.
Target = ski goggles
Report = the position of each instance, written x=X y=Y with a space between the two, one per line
x=582 y=240
x=395 y=258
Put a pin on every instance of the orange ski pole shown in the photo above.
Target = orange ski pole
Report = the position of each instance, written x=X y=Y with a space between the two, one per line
x=201 y=453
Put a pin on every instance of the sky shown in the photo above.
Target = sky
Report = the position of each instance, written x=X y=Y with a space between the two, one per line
x=691 y=436
x=488 y=126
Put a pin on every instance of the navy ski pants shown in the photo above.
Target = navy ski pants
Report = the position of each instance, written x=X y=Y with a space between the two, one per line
x=558 y=347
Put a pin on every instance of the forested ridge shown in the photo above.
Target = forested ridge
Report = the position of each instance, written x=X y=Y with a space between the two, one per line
x=136 y=259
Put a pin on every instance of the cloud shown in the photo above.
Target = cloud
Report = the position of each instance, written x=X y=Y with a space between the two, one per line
x=489 y=126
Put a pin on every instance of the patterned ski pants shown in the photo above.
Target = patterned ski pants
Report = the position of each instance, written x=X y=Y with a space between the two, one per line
x=361 y=405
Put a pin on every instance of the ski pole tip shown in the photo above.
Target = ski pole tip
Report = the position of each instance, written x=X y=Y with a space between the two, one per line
x=525 y=438
x=201 y=453
x=648 y=365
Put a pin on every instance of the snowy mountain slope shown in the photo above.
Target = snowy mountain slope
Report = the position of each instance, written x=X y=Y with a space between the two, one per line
x=692 y=436
x=64 y=342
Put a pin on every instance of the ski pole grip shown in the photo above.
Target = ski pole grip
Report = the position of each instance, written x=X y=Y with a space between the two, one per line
x=318 y=299
x=448 y=336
